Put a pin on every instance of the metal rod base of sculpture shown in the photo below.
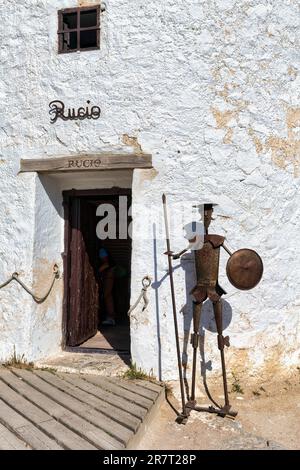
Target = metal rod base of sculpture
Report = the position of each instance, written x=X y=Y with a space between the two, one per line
x=197 y=307
x=191 y=405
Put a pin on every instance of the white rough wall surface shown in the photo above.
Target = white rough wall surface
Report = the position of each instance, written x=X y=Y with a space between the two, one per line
x=211 y=90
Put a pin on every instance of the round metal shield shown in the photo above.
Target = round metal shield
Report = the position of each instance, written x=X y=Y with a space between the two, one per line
x=244 y=269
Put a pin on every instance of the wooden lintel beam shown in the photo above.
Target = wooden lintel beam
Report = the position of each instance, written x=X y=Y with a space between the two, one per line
x=86 y=162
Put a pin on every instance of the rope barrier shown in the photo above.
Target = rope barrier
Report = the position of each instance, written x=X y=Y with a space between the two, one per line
x=146 y=282
x=38 y=300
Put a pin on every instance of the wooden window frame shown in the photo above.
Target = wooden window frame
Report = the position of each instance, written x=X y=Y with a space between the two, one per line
x=78 y=29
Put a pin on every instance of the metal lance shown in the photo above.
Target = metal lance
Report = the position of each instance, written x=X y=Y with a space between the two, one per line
x=174 y=306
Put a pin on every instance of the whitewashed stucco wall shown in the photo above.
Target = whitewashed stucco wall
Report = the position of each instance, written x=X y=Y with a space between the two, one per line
x=211 y=90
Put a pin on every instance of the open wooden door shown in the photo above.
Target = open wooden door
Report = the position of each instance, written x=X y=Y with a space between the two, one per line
x=84 y=304
x=83 y=297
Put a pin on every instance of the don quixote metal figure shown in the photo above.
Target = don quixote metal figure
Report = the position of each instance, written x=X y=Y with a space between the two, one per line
x=244 y=270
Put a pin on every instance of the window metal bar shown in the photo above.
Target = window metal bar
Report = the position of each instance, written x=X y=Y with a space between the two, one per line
x=90 y=28
x=73 y=10
x=83 y=49
x=78 y=29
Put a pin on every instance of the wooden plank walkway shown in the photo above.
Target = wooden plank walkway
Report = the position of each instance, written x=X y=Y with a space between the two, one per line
x=45 y=410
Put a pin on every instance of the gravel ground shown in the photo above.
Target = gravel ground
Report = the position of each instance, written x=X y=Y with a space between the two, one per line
x=268 y=418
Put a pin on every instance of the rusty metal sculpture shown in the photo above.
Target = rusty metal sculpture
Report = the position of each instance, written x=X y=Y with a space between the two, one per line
x=244 y=270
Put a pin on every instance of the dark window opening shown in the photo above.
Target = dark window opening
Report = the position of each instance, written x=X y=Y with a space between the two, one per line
x=70 y=41
x=88 y=18
x=69 y=21
x=88 y=39
x=78 y=29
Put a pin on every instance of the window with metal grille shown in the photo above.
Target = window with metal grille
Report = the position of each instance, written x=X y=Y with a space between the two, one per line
x=79 y=29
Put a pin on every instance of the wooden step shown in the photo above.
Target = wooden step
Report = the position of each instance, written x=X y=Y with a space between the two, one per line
x=116 y=435
x=9 y=440
x=55 y=411
x=92 y=434
x=25 y=430
x=115 y=400
x=60 y=433
x=120 y=416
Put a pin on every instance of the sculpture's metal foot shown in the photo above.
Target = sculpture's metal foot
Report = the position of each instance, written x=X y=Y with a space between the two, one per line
x=182 y=419
x=184 y=415
x=191 y=405
x=223 y=412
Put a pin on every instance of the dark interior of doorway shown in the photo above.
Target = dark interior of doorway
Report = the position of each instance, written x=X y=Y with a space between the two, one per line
x=84 y=305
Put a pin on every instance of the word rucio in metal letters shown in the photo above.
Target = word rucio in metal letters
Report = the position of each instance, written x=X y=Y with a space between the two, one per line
x=244 y=271
x=58 y=110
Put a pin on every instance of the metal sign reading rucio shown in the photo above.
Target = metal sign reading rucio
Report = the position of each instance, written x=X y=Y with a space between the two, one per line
x=58 y=110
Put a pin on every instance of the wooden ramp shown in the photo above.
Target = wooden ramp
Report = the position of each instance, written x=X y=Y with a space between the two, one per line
x=40 y=410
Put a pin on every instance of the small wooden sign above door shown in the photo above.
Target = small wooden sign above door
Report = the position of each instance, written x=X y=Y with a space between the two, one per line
x=58 y=110
x=87 y=162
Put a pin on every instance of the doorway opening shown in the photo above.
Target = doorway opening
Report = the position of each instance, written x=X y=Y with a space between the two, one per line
x=88 y=297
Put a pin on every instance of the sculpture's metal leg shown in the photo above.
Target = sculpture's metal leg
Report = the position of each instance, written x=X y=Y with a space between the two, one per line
x=221 y=343
x=192 y=404
x=195 y=343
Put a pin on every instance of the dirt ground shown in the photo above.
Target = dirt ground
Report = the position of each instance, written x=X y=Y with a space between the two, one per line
x=268 y=418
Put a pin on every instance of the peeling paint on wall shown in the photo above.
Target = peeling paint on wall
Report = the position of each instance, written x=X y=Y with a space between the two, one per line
x=284 y=151
x=223 y=119
x=87 y=3
x=132 y=142
x=258 y=144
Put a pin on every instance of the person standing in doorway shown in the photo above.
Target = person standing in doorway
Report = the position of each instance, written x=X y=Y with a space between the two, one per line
x=107 y=279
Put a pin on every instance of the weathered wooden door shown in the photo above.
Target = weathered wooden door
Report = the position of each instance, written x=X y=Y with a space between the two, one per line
x=83 y=298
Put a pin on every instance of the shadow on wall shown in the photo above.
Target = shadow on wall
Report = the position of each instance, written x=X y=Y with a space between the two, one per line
x=155 y=285
x=207 y=315
x=53 y=191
